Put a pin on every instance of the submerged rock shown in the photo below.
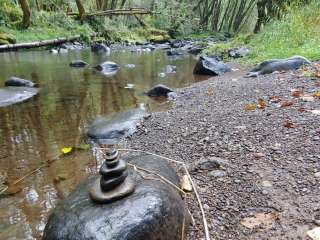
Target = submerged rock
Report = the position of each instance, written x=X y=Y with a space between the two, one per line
x=18 y=82
x=108 y=68
x=271 y=66
x=210 y=66
x=170 y=69
x=78 y=64
x=159 y=91
x=100 y=48
x=174 y=53
x=12 y=95
x=155 y=211
x=111 y=130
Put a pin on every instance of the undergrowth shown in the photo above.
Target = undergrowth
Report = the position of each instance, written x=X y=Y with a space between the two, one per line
x=297 y=33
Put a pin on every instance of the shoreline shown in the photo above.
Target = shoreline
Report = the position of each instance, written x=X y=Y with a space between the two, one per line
x=269 y=167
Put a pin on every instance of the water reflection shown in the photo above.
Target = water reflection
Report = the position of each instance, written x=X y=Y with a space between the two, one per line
x=33 y=132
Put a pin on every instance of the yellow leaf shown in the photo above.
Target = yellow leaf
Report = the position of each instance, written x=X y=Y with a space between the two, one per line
x=66 y=150
x=250 y=107
x=316 y=94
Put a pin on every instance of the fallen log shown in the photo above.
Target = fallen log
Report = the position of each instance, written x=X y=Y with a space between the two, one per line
x=116 y=12
x=42 y=43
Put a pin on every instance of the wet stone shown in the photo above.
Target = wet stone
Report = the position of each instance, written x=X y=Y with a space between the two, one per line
x=113 y=171
x=108 y=183
x=13 y=95
x=18 y=82
x=154 y=211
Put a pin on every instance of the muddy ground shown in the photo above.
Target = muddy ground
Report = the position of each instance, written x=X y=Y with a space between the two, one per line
x=265 y=184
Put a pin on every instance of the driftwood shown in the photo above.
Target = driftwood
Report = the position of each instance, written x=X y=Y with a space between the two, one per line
x=55 y=41
x=116 y=12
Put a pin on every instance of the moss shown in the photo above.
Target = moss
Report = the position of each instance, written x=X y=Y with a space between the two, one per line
x=3 y=42
x=7 y=37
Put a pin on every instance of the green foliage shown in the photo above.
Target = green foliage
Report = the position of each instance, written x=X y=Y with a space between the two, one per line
x=9 y=13
x=296 y=33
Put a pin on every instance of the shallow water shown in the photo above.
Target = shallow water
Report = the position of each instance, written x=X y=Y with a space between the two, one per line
x=34 y=131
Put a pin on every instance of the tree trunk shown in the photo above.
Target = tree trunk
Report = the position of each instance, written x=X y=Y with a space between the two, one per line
x=26 y=20
x=80 y=9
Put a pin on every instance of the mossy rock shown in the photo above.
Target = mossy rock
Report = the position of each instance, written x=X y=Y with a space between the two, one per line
x=5 y=37
x=159 y=38
x=3 y=42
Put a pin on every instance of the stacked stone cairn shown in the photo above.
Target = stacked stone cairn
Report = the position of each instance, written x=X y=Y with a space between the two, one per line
x=114 y=183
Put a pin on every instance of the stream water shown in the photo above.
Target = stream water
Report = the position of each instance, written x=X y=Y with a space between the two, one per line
x=33 y=132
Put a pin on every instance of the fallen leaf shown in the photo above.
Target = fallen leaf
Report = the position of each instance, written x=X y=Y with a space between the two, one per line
x=264 y=220
x=314 y=234
x=185 y=184
x=210 y=92
x=250 y=107
x=302 y=110
x=261 y=103
x=286 y=103
x=66 y=150
x=13 y=189
x=317 y=74
x=289 y=124
x=316 y=94
x=274 y=99
x=296 y=93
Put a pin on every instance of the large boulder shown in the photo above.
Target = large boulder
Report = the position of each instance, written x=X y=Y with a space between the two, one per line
x=159 y=91
x=18 y=82
x=210 y=66
x=155 y=211
x=111 y=130
x=12 y=95
x=100 y=48
x=107 y=68
x=274 y=65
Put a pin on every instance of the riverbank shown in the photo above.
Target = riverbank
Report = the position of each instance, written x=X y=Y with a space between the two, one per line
x=263 y=173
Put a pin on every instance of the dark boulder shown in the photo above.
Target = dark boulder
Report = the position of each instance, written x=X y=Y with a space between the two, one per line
x=100 y=48
x=159 y=91
x=195 y=50
x=108 y=68
x=18 y=82
x=155 y=211
x=238 y=52
x=110 y=130
x=177 y=43
x=274 y=65
x=210 y=66
x=12 y=95
x=174 y=53
x=78 y=64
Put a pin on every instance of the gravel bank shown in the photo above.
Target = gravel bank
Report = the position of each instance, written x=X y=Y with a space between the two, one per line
x=269 y=178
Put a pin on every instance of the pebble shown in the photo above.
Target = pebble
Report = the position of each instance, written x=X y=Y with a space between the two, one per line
x=217 y=174
x=266 y=184
x=317 y=174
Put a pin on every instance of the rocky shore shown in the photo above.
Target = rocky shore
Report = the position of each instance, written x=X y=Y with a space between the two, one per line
x=253 y=149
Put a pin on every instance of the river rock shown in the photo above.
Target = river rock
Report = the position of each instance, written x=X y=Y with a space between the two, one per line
x=111 y=130
x=18 y=82
x=274 y=65
x=78 y=64
x=100 y=48
x=210 y=66
x=172 y=53
x=195 y=50
x=177 y=43
x=107 y=68
x=238 y=52
x=12 y=95
x=154 y=211
x=159 y=91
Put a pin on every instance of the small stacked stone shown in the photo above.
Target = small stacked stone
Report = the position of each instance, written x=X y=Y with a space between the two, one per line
x=114 y=183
